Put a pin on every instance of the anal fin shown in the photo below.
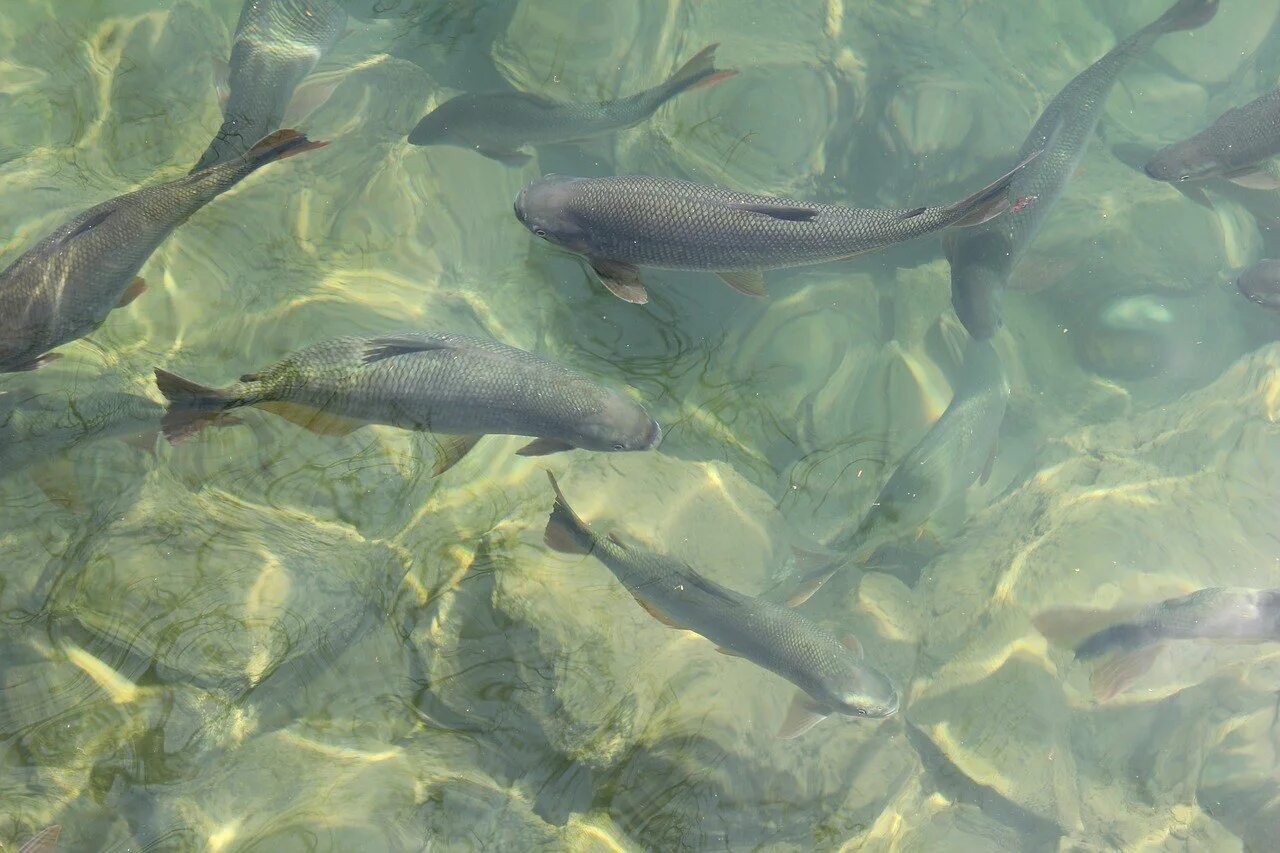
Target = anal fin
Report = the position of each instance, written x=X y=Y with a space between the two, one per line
x=658 y=614
x=508 y=158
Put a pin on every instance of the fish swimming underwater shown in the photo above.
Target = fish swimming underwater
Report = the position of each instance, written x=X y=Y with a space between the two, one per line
x=277 y=44
x=44 y=841
x=833 y=678
x=957 y=451
x=1135 y=637
x=64 y=287
x=983 y=259
x=499 y=125
x=1236 y=146
x=623 y=223
x=443 y=383
x=1260 y=283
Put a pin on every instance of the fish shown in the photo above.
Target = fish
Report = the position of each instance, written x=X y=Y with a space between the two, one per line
x=448 y=384
x=44 y=841
x=1237 y=147
x=983 y=259
x=1134 y=638
x=831 y=676
x=498 y=125
x=65 y=286
x=957 y=451
x=277 y=44
x=623 y=223
x=1260 y=283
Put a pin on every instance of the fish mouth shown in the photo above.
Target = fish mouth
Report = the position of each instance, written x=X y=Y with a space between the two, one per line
x=519 y=205
x=653 y=437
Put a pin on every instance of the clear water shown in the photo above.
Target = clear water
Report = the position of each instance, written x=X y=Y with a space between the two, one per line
x=265 y=639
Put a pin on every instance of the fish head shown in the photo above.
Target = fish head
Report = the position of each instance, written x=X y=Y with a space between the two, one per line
x=547 y=208
x=620 y=424
x=1187 y=161
x=448 y=124
x=867 y=693
x=1261 y=283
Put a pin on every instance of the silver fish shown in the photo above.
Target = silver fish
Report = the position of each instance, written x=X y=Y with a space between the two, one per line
x=957 y=451
x=1237 y=147
x=983 y=259
x=277 y=44
x=832 y=677
x=498 y=125
x=447 y=384
x=1133 y=638
x=1260 y=283
x=64 y=287
x=623 y=223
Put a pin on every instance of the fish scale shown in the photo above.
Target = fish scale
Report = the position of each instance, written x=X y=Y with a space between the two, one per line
x=1240 y=138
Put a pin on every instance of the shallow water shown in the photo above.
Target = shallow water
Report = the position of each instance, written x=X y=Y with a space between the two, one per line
x=267 y=639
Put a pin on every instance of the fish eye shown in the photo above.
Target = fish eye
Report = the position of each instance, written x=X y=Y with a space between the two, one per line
x=541 y=232
x=1185 y=178
x=619 y=447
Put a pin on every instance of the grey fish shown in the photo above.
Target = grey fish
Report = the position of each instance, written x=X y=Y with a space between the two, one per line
x=277 y=44
x=832 y=677
x=1236 y=146
x=34 y=430
x=957 y=451
x=983 y=259
x=1135 y=637
x=623 y=223
x=443 y=383
x=498 y=125
x=64 y=287
x=1260 y=283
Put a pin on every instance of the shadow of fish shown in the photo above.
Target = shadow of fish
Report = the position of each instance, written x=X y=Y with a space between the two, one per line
x=498 y=125
x=957 y=451
x=277 y=44
x=832 y=677
x=1237 y=146
x=1132 y=638
x=623 y=223
x=448 y=384
x=983 y=259
x=64 y=287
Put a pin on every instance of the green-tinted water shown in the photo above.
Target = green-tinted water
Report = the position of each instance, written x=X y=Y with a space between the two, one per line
x=268 y=639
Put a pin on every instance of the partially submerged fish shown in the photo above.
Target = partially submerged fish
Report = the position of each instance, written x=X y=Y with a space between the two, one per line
x=443 y=383
x=1237 y=147
x=957 y=451
x=499 y=125
x=1134 y=638
x=64 y=287
x=983 y=259
x=277 y=44
x=623 y=223
x=833 y=678
x=1260 y=283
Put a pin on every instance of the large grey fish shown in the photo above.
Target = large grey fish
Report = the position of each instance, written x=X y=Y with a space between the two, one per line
x=1237 y=147
x=957 y=451
x=1260 y=283
x=1133 y=638
x=64 y=287
x=277 y=44
x=623 y=223
x=832 y=677
x=498 y=125
x=983 y=259
x=443 y=383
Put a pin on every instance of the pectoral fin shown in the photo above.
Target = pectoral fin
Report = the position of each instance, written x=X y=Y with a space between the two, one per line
x=1254 y=178
x=622 y=280
x=1115 y=674
x=544 y=446
x=508 y=158
x=222 y=80
x=779 y=211
x=1196 y=193
x=803 y=715
x=313 y=420
x=450 y=449
x=988 y=467
x=750 y=282
x=136 y=288
x=808 y=587
x=309 y=97
x=34 y=364
x=729 y=652
x=852 y=643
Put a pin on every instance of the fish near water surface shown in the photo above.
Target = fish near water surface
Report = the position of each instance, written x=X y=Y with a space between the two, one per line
x=621 y=224
x=983 y=259
x=65 y=286
x=499 y=125
x=276 y=45
x=832 y=677
x=1133 y=638
x=448 y=384
x=1260 y=283
x=957 y=451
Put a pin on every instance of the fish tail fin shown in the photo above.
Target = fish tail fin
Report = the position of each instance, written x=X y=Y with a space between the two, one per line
x=1125 y=637
x=990 y=201
x=698 y=71
x=192 y=406
x=1184 y=15
x=566 y=532
x=278 y=146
